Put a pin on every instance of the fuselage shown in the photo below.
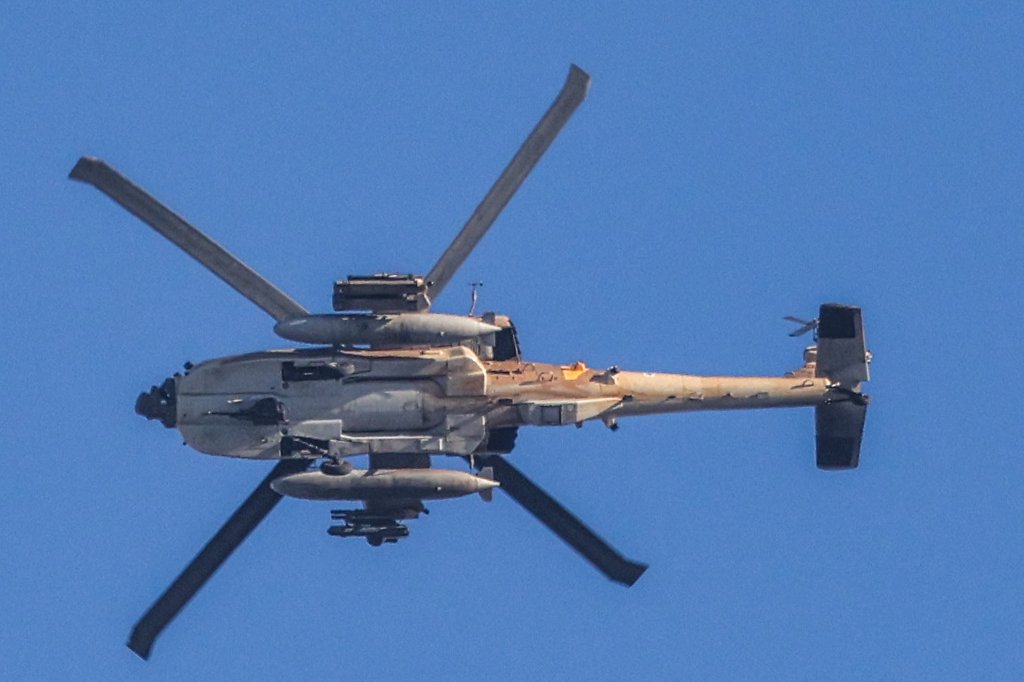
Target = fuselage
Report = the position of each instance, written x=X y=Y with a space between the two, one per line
x=439 y=400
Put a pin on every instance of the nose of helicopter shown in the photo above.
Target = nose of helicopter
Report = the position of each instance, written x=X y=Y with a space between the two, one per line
x=159 y=403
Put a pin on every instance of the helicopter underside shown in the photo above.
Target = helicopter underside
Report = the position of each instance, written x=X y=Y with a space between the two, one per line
x=431 y=396
x=331 y=403
x=326 y=402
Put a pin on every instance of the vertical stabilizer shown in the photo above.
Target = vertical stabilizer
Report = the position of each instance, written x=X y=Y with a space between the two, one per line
x=842 y=350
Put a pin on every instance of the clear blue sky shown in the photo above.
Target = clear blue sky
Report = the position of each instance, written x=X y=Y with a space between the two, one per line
x=731 y=166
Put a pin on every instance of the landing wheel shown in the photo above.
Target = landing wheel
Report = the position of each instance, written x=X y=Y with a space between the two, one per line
x=375 y=540
x=336 y=468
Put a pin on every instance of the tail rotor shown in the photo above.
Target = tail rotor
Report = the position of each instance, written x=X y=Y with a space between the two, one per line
x=805 y=326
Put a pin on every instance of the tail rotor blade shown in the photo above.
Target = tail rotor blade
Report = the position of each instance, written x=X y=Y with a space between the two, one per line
x=806 y=325
x=217 y=550
x=571 y=96
x=562 y=522
x=215 y=257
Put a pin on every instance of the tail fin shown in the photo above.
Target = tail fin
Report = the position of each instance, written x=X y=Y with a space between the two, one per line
x=842 y=351
x=842 y=357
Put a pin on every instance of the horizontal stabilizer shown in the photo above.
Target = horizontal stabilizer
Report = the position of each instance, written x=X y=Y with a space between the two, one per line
x=839 y=426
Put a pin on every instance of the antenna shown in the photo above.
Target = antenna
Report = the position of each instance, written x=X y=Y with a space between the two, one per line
x=474 y=297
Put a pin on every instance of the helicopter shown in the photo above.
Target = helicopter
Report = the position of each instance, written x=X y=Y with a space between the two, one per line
x=385 y=376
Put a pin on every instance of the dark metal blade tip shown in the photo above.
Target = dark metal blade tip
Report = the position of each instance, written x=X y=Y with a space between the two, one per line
x=140 y=646
x=83 y=168
x=629 y=573
x=576 y=73
x=579 y=80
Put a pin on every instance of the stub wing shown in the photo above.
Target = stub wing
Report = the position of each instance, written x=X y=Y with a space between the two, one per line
x=380 y=519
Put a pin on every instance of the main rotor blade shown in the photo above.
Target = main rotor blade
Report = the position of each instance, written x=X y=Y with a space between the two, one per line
x=216 y=551
x=215 y=257
x=572 y=94
x=562 y=522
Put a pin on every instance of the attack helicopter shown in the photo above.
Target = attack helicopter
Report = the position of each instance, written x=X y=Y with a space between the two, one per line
x=386 y=377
